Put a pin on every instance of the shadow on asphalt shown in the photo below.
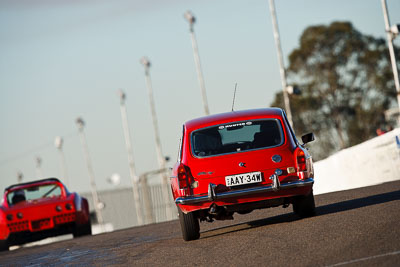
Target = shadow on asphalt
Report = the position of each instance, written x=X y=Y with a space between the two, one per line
x=358 y=203
x=320 y=210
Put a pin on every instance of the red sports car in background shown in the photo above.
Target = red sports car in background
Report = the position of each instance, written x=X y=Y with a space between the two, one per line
x=237 y=162
x=40 y=209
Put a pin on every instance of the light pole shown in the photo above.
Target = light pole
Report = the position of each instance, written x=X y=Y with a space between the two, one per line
x=391 y=33
x=191 y=19
x=161 y=159
x=58 y=142
x=39 y=172
x=132 y=171
x=80 y=123
x=280 y=59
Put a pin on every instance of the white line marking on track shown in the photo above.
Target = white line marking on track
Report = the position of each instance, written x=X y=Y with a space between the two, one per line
x=366 y=258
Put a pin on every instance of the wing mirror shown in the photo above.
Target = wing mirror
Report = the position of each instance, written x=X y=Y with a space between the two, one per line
x=307 y=138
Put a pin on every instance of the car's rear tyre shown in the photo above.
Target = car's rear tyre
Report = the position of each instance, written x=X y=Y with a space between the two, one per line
x=4 y=245
x=304 y=206
x=82 y=230
x=190 y=225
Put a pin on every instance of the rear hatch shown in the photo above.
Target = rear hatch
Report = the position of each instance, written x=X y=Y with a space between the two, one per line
x=40 y=214
x=239 y=154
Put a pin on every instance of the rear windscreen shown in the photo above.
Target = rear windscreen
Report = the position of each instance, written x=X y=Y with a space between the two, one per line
x=237 y=137
x=33 y=193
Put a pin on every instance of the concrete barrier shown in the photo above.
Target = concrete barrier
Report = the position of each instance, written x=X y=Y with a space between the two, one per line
x=372 y=162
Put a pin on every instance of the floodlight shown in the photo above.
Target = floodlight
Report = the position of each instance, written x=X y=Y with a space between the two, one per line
x=145 y=62
x=58 y=142
x=79 y=121
x=121 y=94
x=189 y=17
x=293 y=90
x=395 y=29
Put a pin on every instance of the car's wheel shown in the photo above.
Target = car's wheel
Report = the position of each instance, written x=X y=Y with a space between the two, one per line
x=82 y=230
x=190 y=225
x=3 y=245
x=304 y=206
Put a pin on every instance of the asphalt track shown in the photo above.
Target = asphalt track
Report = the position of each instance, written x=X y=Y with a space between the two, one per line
x=358 y=227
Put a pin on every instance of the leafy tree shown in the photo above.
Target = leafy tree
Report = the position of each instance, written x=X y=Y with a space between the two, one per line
x=346 y=82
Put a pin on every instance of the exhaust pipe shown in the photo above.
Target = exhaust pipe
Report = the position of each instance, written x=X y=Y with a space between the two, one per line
x=219 y=213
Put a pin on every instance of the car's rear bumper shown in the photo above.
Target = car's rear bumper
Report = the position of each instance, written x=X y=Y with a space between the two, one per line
x=22 y=237
x=215 y=196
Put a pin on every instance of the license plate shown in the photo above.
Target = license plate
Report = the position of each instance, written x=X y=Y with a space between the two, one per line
x=244 y=178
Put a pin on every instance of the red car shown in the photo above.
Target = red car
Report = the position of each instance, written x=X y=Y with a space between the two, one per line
x=40 y=209
x=237 y=162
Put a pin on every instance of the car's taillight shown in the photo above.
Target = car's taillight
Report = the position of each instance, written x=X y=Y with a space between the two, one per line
x=300 y=160
x=183 y=176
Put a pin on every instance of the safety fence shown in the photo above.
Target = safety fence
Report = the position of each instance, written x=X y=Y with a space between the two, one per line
x=120 y=212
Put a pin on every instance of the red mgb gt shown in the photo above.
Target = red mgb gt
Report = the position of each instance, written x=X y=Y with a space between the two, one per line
x=237 y=162
x=36 y=210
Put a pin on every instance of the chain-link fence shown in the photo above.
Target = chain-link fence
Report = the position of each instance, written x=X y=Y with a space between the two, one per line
x=119 y=208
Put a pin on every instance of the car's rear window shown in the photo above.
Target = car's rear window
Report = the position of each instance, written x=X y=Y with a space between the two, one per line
x=33 y=193
x=236 y=137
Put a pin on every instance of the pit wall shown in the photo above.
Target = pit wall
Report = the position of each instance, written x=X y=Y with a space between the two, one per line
x=373 y=162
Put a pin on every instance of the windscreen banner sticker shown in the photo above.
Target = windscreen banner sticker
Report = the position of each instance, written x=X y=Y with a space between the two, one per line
x=235 y=125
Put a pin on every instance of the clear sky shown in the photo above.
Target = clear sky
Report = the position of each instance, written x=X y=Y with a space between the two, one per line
x=62 y=59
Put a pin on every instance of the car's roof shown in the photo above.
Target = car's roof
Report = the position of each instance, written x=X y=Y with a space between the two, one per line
x=37 y=182
x=233 y=116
